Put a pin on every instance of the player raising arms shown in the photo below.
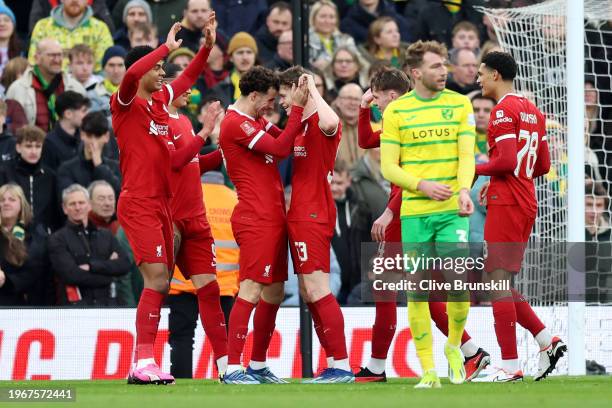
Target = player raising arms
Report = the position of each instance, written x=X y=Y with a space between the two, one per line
x=519 y=153
x=386 y=86
x=250 y=151
x=140 y=121
x=196 y=255
x=312 y=217
x=428 y=137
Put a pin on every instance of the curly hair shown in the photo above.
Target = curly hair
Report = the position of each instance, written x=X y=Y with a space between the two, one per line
x=258 y=79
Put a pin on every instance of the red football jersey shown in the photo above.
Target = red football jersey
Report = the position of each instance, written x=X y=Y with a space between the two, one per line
x=141 y=128
x=188 y=200
x=515 y=117
x=314 y=155
x=261 y=199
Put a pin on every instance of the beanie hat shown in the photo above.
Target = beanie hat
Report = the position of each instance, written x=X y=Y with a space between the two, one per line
x=241 y=40
x=138 y=3
x=181 y=51
x=114 y=51
x=4 y=9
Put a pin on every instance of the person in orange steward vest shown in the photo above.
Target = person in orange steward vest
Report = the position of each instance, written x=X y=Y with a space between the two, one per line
x=219 y=201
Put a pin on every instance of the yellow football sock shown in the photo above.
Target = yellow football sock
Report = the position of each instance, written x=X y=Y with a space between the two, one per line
x=457 y=309
x=420 y=325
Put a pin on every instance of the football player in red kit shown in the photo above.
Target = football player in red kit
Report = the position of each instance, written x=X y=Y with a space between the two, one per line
x=140 y=121
x=312 y=217
x=196 y=254
x=387 y=85
x=518 y=153
x=251 y=147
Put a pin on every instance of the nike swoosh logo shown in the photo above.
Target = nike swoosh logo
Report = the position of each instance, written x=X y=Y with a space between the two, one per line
x=421 y=337
x=177 y=137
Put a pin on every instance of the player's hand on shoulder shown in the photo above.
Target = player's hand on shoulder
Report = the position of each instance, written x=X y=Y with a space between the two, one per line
x=171 y=42
x=434 y=190
x=210 y=31
x=210 y=119
x=466 y=205
x=367 y=98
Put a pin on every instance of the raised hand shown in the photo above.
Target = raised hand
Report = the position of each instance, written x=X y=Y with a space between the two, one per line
x=171 y=42
x=209 y=119
x=367 y=99
x=210 y=31
x=299 y=93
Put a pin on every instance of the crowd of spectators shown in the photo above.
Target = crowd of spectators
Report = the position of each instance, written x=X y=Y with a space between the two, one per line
x=61 y=60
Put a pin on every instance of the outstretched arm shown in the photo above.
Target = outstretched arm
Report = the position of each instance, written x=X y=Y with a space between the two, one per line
x=198 y=63
x=210 y=161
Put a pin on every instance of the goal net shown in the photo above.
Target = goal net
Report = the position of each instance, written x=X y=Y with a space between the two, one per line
x=536 y=37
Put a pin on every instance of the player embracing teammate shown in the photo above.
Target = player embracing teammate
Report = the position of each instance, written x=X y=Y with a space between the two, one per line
x=312 y=218
x=251 y=147
x=518 y=152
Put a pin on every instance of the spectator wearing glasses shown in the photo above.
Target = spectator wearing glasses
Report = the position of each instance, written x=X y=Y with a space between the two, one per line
x=346 y=68
x=38 y=88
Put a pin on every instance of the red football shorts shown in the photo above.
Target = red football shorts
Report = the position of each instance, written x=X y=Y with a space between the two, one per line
x=148 y=226
x=263 y=252
x=506 y=233
x=310 y=246
x=196 y=255
x=393 y=232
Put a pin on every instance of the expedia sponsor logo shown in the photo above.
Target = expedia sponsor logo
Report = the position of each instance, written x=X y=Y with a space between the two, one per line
x=425 y=133
x=504 y=119
x=300 y=151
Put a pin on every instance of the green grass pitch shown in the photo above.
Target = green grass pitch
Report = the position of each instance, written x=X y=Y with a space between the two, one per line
x=581 y=392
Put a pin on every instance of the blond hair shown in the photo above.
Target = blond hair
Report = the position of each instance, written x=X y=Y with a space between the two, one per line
x=374 y=32
x=314 y=10
x=25 y=214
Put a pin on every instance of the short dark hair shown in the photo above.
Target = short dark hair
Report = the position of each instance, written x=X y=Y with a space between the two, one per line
x=291 y=76
x=281 y=6
x=258 y=79
x=135 y=54
x=390 y=79
x=70 y=100
x=171 y=70
x=479 y=95
x=95 y=124
x=80 y=49
x=502 y=62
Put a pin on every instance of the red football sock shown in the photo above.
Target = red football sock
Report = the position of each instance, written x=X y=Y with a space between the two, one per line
x=525 y=315
x=263 y=328
x=333 y=325
x=147 y=322
x=238 y=329
x=504 y=314
x=213 y=320
x=318 y=325
x=383 y=330
x=440 y=318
